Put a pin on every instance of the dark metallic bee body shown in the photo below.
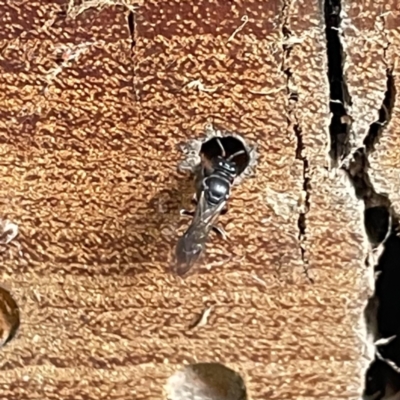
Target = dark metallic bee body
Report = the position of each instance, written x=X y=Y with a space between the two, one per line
x=212 y=194
x=217 y=186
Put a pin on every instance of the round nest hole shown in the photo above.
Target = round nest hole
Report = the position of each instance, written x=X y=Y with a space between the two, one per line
x=229 y=145
x=206 y=381
x=9 y=317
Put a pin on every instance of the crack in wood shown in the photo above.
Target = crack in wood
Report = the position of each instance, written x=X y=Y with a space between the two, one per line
x=294 y=124
x=385 y=114
x=131 y=27
x=378 y=217
x=340 y=99
x=380 y=222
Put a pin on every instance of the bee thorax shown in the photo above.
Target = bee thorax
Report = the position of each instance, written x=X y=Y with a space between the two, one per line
x=217 y=189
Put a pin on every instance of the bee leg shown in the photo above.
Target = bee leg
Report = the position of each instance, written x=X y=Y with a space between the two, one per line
x=194 y=199
x=220 y=231
x=186 y=213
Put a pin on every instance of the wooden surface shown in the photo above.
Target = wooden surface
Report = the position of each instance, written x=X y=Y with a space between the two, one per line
x=92 y=120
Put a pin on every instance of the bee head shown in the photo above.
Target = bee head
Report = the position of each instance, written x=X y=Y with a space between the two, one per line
x=224 y=165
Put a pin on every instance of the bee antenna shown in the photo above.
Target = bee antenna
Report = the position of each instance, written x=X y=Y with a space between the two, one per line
x=236 y=154
x=222 y=147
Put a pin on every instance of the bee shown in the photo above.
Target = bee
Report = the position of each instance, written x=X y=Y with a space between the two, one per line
x=213 y=191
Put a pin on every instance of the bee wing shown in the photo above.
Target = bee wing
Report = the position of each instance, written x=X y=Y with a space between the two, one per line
x=192 y=244
x=205 y=169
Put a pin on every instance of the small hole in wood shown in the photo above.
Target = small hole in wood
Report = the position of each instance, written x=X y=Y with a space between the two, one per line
x=230 y=145
x=9 y=317
x=206 y=381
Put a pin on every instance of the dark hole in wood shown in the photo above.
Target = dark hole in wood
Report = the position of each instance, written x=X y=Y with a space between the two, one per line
x=9 y=317
x=231 y=145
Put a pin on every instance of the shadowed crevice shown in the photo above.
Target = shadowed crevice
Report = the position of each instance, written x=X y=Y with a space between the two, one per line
x=302 y=221
x=382 y=312
x=293 y=124
x=340 y=99
x=131 y=26
x=382 y=377
x=385 y=114
x=381 y=224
